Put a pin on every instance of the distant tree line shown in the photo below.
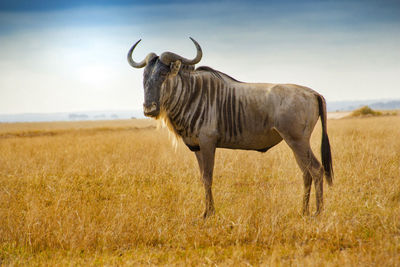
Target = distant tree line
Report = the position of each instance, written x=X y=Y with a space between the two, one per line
x=74 y=116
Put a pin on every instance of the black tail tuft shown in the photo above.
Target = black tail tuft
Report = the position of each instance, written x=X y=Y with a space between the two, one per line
x=325 y=146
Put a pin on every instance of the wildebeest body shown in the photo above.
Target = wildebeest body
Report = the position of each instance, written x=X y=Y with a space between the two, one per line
x=209 y=109
x=241 y=115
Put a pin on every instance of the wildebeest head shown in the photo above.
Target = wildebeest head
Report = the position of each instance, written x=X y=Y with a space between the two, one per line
x=157 y=71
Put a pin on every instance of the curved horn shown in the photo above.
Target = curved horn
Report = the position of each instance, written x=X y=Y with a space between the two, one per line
x=141 y=64
x=168 y=57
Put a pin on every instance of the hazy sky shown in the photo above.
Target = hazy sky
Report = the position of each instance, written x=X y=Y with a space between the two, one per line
x=58 y=56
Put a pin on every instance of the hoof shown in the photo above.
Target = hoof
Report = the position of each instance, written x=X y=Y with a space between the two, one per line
x=317 y=213
x=208 y=213
x=306 y=213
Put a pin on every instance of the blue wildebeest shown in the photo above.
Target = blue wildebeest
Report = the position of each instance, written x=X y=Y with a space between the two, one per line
x=208 y=109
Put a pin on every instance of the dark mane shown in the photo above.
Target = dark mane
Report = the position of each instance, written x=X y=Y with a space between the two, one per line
x=217 y=73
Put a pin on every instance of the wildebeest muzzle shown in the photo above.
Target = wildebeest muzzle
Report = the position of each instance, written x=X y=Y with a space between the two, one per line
x=150 y=110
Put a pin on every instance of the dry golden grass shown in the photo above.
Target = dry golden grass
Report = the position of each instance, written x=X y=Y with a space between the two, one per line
x=28 y=127
x=125 y=197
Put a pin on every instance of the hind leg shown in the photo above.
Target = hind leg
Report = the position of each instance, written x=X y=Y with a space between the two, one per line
x=311 y=168
x=307 y=188
x=319 y=189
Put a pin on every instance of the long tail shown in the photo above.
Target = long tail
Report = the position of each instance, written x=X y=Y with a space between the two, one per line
x=325 y=146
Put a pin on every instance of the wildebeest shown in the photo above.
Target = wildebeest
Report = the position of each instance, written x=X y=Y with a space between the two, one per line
x=209 y=109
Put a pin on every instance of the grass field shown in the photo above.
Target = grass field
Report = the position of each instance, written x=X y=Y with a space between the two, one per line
x=117 y=193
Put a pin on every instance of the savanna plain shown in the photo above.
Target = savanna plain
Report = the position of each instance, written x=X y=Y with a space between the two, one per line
x=118 y=193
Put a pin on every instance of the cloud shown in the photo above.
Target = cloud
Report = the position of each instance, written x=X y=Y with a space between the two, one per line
x=73 y=69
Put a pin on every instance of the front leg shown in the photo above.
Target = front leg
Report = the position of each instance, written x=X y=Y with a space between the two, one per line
x=205 y=158
x=200 y=162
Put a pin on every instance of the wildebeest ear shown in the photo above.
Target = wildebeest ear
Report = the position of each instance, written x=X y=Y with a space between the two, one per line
x=175 y=67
